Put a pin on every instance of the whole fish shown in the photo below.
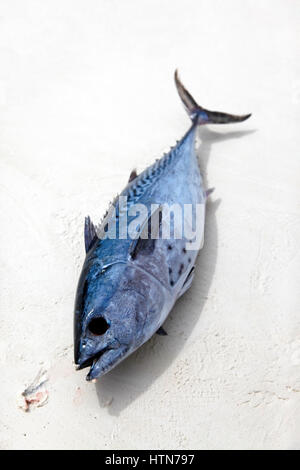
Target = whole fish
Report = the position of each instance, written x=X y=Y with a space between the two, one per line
x=129 y=284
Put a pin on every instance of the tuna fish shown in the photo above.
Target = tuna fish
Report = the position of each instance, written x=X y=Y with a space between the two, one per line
x=130 y=281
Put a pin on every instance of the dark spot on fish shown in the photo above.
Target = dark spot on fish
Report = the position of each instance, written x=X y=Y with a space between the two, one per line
x=170 y=270
x=98 y=326
x=181 y=269
x=169 y=247
x=105 y=227
x=172 y=283
x=183 y=250
x=189 y=260
x=160 y=217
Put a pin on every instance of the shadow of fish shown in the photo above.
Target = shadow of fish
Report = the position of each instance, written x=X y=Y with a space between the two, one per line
x=142 y=257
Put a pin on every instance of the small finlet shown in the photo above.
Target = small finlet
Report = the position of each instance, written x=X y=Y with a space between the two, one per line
x=132 y=175
x=161 y=331
x=209 y=191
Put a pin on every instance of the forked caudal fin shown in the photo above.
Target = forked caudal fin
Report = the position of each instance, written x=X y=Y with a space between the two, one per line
x=200 y=115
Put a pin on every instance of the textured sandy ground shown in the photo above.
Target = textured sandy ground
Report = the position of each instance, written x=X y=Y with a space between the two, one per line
x=87 y=94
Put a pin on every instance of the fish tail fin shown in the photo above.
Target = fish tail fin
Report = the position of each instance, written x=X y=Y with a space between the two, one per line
x=200 y=115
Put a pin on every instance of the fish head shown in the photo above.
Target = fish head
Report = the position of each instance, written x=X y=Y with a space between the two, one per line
x=110 y=311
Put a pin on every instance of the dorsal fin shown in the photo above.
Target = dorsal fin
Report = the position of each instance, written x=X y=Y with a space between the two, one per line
x=90 y=235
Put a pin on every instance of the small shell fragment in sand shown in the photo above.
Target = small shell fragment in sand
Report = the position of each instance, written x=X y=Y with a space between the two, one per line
x=36 y=394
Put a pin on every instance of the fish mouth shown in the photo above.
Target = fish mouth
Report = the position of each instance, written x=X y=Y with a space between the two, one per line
x=91 y=361
x=104 y=360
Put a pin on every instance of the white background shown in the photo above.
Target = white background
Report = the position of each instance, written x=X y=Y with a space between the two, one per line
x=87 y=94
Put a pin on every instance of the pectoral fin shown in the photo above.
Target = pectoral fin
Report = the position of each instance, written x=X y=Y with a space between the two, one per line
x=144 y=244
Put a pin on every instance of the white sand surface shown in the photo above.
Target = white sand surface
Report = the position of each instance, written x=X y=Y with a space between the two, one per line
x=87 y=94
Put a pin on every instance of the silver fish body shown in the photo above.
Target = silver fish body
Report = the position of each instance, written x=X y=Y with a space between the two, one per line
x=128 y=285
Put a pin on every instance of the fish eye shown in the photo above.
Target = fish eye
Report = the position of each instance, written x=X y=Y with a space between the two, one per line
x=98 y=326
